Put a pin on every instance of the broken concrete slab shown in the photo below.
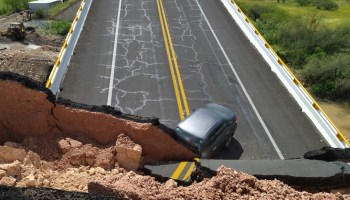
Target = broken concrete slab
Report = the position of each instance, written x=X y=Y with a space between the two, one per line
x=298 y=172
x=329 y=154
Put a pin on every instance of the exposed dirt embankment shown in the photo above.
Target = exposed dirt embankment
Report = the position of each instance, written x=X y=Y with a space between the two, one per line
x=28 y=109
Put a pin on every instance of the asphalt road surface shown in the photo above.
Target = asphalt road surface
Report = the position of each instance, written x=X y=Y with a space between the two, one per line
x=120 y=60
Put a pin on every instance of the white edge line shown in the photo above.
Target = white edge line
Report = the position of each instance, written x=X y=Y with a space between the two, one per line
x=110 y=90
x=243 y=88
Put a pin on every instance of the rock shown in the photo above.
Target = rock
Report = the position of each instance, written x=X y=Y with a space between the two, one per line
x=105 y=160
x=130 y=174
x=91 y=171
x=77 y=159
x=29 y=180
x=12 y=169
x=46 y=183
x=90 y=157
x=74 y=143
x=40 y=181
x=128 y=153
x=134 y=153
x=13 y=145
x=10 y=154
x=2 y=173
x=34 y=159
x=171 y=183
x=100 y=170
x=64 y=146
x=115 y=171
x=8 y=181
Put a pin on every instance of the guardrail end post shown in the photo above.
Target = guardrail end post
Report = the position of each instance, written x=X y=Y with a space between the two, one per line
x=48 y=84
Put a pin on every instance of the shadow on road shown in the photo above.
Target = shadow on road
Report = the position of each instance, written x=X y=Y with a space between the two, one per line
x=233 y=152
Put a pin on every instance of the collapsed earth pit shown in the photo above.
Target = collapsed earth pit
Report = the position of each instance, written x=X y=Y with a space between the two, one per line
x=28 y=109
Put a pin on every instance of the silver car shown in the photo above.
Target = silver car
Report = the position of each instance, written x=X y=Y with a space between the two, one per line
x=207 y=130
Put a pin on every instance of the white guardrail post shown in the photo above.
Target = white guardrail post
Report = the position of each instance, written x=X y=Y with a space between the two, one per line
x=60 y=67
x=326 y=127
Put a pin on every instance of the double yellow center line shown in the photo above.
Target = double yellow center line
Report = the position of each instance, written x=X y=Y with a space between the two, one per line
x=178 y=86
x=174 y=68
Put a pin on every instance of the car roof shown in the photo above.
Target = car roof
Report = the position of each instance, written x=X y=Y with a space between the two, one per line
x=202 y=120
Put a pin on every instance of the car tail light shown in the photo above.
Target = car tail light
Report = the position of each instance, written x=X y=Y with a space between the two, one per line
x=235 y=119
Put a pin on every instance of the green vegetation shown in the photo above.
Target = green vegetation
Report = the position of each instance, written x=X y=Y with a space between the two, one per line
x=8 y=6
x=60 y=7
x=314 y=43
x=58 y=27
x=39 y=14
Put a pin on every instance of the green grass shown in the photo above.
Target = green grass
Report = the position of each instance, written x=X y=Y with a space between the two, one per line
x=2 y=4
x=58 y=27
x=330 y=19
x=60 y=7
x=3 y=8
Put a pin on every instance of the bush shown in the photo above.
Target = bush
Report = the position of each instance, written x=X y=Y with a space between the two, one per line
x=58 y=27
x=40 y=14
x=256 y=11
x=326 y=5
x=329 y=76
x=303 y=2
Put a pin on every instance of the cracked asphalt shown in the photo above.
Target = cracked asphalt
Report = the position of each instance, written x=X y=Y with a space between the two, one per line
x=208 y=44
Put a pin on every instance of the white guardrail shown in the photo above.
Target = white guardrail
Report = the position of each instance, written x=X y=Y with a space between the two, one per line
x=62 y=61
x=323 y=123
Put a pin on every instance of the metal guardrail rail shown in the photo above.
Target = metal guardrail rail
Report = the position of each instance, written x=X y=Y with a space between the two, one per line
x=308 y=104
x=62 y=61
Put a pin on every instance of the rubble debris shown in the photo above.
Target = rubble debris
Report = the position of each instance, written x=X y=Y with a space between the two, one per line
x=128 y=153
x=227 y=184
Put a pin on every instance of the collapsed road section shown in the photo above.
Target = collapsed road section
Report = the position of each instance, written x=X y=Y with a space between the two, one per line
x=32 y=111
x=55 y=143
